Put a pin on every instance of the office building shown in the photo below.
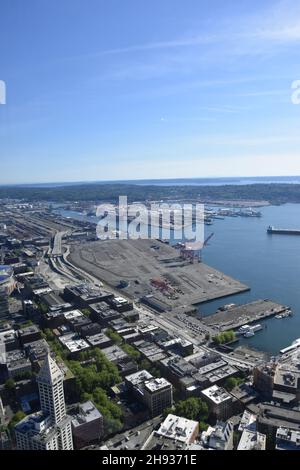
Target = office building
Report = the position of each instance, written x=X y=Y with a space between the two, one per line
x=252 y=440
x=219 y=437
x=156 y=394
x=49 y=429
x=221 y=403
x=174 y=433
x=87 y=425
x=287 y=439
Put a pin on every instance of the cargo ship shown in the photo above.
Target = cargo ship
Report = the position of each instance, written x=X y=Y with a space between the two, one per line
x=282 y=231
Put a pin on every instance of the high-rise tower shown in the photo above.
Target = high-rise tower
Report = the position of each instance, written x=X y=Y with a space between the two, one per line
x=50 y=429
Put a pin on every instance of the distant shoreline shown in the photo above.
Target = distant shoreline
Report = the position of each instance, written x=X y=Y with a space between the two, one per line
x=250 y=194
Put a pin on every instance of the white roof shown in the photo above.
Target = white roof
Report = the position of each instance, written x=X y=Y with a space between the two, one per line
x=252 y=440
x=180 y=429
x=216 y=394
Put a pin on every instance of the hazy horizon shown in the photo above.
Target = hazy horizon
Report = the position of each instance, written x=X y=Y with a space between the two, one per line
x=275 y=178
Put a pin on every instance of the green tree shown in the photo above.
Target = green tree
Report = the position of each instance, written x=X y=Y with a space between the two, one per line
x=10 y=385
x=202 y=426
x=86 y=312
x=131 y=351
x=192 y=408
x=224 y=337
x=17 y=417
x=230 y=383
x=114 y=336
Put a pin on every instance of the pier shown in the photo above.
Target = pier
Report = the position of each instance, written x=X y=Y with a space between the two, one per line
x=239 y=315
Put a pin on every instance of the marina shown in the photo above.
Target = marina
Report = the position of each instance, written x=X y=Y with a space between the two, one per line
x=270 y=265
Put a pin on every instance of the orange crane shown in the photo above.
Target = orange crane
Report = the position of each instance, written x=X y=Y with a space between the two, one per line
x=193 y=251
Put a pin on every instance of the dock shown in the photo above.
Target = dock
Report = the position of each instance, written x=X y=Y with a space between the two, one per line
x=239 y=315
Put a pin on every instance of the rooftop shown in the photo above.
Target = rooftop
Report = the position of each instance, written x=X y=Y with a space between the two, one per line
x=73 y=314
x=86 y=414
x=252 y=440
x=73 y=342
x=180 y=429
x=139 y=377
x=216 y=394
x=154 y=385
x=287 y=439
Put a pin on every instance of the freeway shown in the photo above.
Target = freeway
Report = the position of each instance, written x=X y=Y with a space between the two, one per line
x=57 y=244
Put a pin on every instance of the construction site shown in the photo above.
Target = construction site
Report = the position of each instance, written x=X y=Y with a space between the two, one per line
x=154 y=272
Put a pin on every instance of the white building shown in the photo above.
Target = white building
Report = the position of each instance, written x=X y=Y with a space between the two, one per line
x=219 y=437
x=287 y=439
x=221 y=403
x=49 y=429
x=252 y=440
x=174 y=433
x=179 y=429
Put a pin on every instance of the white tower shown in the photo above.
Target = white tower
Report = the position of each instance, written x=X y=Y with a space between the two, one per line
x=51 y=391
x=50 y=428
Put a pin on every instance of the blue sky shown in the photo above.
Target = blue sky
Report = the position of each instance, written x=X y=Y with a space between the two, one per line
x=128 y=89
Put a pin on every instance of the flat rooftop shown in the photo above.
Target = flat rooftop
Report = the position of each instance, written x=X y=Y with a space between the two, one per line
x=216 y=394
x=114 y=353
x=177 y=428
x=139 y=377
x=73 y=343
x=87 y=413
x=73 y=314
x=252 y=440
x=154 y=385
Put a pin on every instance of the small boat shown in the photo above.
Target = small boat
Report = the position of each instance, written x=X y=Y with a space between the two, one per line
x=243 y=329
x=287 y=313
x=249 y=333
x=252 y=330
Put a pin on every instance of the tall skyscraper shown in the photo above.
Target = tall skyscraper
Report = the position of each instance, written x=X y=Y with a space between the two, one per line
x=49 y=429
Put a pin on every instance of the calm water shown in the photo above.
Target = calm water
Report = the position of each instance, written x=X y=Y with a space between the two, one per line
x=269 y=264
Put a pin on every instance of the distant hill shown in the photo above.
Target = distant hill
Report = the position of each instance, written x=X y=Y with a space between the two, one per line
x=275 y=193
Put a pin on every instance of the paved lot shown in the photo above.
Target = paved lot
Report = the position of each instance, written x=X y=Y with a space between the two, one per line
x=242 y=314
x=153 y=268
